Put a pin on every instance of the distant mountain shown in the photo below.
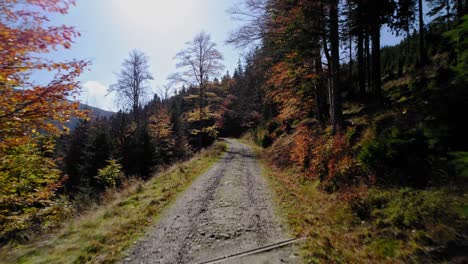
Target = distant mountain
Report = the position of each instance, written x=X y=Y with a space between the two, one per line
x=96 y=112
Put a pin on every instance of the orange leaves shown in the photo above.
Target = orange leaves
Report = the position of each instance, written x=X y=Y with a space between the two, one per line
x=160 y=127
x=24 y=105
x=321 y=156
x=31 y=114
x=281 y=75
x=311 y=76
x=303 y=144
x=287 y=80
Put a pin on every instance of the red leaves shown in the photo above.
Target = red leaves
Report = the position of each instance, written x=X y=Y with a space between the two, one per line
x=327 y=158
x=24 y=105
x=286 y=80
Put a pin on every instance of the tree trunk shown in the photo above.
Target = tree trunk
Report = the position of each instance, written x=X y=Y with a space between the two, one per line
x=335 y=91
x=350 y=57
x=350 y=35
x=408 y=34
x=447 y=7
x=368 y=64
x=320 y=94
x=200 y=109
x=459 y=10
x=135 y=109
x=422 y=51
x=361 y=66
x=376 y=76
x=464 y=7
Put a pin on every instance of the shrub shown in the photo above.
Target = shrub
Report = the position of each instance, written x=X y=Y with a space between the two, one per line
x=397 y=157
x=407 y=208
x=421 y=218
x=410 y=208
x=329 y=159
x=29 y=181
x=460 y=163
x=262 y=137
x=110 y=174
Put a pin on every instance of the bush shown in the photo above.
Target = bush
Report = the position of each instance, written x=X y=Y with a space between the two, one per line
x=29 y=181
x=262 y=137
x=420 y=218
x=397 y=157
x=410 y=208
x=110 y=174
x=460 y=163
x=329 y=159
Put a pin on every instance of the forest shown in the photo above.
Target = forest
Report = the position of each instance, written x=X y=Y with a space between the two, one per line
x=378 y=130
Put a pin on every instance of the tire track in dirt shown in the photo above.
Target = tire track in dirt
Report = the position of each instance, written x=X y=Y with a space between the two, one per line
x=225 y=211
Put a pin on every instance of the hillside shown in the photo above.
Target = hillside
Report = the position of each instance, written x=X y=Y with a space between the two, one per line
x=344 y=124
x=97 y=112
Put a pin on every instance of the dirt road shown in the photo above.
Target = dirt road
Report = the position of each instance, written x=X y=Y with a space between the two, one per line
x=227 y=210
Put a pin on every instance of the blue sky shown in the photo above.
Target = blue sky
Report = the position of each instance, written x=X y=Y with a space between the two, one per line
x=112 y=28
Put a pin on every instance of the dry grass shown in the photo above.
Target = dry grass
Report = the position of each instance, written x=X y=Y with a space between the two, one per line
x=334 y=234
x=103 y=235
x=324 y=219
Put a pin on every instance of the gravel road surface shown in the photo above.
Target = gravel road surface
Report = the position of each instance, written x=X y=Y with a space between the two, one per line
x=226 y=211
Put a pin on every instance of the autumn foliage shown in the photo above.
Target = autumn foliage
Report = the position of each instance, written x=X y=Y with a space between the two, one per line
x=29 y=181
x=32 y=113
x=25 y=36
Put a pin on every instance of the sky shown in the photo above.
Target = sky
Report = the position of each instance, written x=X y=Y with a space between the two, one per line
x=110 y=29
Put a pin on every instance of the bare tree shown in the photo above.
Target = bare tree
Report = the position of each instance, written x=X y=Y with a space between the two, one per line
x=254 y=16
x=198 y=63
x=164 y=92
x=132 y=84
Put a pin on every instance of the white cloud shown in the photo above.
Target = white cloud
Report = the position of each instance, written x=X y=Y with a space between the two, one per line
x=156 y=15
x=95 y=88
x=96 y=94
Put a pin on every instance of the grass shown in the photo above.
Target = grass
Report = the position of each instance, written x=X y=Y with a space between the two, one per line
x=310 y=213
x=321 y=217
x=103 y=235
x=402 y=225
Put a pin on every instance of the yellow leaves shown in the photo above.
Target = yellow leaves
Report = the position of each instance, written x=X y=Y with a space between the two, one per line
x=192 y=97
x=160 y=126
x=29 y=180
x=130 y=129
x=195 y=115
x=212 y=131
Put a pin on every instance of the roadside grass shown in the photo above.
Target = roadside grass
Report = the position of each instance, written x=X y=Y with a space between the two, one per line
x=401 y=226
x=103 y=235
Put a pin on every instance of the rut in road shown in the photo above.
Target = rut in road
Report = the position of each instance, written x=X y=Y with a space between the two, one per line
x=225 y=211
